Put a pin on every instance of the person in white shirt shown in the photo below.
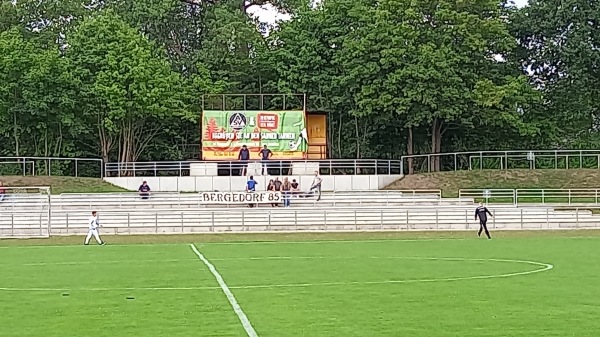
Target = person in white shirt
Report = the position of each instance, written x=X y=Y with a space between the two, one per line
x=316 y=184
x=93 y=230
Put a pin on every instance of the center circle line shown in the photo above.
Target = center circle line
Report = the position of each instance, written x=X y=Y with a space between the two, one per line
x=543 y=267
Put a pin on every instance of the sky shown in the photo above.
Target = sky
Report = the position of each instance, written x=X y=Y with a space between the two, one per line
x=270 y=15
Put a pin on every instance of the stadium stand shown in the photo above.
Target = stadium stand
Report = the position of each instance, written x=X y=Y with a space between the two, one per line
x=126 y=213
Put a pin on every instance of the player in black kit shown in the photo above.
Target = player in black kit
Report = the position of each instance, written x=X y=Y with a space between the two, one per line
x=481 y=212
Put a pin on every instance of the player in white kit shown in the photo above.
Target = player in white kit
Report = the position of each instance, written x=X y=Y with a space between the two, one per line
x=93 y=226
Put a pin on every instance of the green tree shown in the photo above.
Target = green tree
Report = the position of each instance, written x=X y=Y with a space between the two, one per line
x=36 y=98
x=434 y=63
x=560 y=41
x=128 y=91
x=302 y=55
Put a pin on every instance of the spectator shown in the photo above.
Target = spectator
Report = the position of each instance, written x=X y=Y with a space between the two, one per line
x=2 y=191
x=144 y=190
x=265 y=156
x=271 y=189
x=251 y=187
x=295 y=187
x=277 y=184
x=316 y=185
x=286 y=187
x=244 y=157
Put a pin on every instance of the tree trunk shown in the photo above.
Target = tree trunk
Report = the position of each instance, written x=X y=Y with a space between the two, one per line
x=16 y=134
x=410 y=151
x=436 y=145
x=105 y=142
x=127 y=148
x=59 y=142
x=357 y=138
x=339 y=136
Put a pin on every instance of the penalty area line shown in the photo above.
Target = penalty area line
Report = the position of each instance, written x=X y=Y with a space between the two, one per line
x=234 y=304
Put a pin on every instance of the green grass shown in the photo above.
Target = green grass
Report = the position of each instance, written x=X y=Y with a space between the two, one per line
x=360 y=284
x=451 y=182
x=60 y=185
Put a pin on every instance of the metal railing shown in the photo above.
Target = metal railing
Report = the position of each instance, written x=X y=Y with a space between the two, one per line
x=274 y=167
x=51 y=166
x=471 y=160
x=25 y=211
x=325 y=220
x=502 y=160
x=523 y=197
x=454 y=161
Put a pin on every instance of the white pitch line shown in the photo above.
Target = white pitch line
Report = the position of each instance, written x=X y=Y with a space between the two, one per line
x=259 y=258
x=93 y=245
x=328 y=241
x=545 y=267
x=449 y=279
x=234 y=304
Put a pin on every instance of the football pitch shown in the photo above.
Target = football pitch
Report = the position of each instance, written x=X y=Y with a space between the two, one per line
x=366 y=284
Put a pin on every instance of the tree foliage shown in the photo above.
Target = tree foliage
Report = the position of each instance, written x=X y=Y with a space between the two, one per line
x=123 y=80
x=561 y=44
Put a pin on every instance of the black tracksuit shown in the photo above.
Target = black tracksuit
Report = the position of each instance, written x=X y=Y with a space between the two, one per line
x=481 y=212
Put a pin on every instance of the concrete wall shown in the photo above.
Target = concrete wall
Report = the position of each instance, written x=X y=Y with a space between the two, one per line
x=198 y=184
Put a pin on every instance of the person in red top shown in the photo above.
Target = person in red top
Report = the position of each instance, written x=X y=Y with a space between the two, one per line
x=2 y=191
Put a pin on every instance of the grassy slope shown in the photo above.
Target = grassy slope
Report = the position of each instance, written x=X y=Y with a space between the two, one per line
x=63 y=184
x=451 y=182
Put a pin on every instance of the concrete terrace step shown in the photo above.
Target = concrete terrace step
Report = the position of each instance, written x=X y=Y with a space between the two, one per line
x=184 y=213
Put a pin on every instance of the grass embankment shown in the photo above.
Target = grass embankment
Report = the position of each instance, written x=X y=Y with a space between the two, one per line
x=60 y=185
x=451 y=182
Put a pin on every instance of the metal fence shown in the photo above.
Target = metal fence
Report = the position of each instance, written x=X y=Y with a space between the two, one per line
x=274 y=167
x=524 y=197
x=473 y=160
x=32 y=214
x=25 y=211
x=501 y=160
x=51 y=166
x=331 y=220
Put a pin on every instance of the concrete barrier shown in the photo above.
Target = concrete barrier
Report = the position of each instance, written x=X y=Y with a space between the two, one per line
x=216 y=183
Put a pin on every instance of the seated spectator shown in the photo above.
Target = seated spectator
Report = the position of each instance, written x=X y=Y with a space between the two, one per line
x=251 y=184
x=251 y=187
x=2 y=191
x=295 y=187
x=144 y=190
